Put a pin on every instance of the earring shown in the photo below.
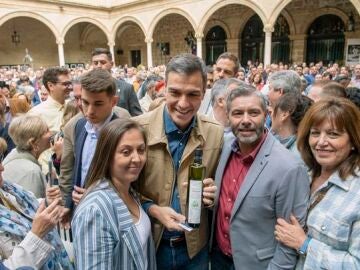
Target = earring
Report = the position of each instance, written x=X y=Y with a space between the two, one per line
x=35 y=148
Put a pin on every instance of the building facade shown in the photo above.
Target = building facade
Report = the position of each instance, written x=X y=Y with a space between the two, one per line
x=150 y=32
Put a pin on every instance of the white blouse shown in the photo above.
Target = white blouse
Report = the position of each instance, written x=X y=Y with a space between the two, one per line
x=143 y=226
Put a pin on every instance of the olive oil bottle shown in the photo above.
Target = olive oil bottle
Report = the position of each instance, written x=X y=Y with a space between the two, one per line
x=194 y=192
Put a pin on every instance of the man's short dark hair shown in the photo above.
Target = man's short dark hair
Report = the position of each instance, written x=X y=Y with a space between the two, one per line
x=98 y=51
x=52 y=74
x=232 y=57
x=97 y=81
x=187 y=64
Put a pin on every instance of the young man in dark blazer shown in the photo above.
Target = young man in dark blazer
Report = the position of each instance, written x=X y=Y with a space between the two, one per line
x=98 y=98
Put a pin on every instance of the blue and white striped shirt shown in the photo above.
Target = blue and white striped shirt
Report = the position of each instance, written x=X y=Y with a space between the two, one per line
x=105 y=236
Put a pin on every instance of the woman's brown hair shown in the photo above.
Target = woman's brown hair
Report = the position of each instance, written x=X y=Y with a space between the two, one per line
x=344 y=116
x=109 y=138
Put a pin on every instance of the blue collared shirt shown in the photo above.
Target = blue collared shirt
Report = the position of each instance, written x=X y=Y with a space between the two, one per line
x=177 y=140
x=90 y=146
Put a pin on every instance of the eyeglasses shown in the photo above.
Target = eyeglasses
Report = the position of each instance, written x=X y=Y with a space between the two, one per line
x=66 y=84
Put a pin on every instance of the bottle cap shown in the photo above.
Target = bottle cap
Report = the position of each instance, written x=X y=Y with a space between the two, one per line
x=198 y=153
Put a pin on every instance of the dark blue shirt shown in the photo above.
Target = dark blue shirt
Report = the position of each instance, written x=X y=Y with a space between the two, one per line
x=177 y=140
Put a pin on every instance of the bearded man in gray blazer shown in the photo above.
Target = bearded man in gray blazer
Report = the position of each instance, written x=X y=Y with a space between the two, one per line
x=258 y=181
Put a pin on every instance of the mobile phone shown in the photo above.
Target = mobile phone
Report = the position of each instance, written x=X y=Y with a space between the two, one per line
x=50 y=179
x=185 y=226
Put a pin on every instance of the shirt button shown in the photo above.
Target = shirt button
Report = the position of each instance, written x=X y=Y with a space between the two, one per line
x=234 y=180
x=323 y=228
x=229 y=200
x=227 y=218
x=181 y=144
x=226 y=236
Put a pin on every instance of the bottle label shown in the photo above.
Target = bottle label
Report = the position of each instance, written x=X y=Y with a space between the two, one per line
x=195 y=197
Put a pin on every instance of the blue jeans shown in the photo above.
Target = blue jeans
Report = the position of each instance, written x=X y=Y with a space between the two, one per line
x=219 y=261
x=174 y=258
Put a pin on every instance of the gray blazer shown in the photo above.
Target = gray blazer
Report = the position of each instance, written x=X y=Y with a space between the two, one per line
x=276 y=185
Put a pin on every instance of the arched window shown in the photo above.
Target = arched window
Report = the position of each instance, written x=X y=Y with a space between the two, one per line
x=326 y=40
x=280 y=41
x=252 y=41
x=215 y=44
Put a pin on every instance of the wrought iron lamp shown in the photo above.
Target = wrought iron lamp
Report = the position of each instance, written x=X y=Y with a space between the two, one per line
x=191 y=41
x=351 y=23
x=15 y=38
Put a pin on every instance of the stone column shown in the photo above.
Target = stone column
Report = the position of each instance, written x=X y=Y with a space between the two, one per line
x=232 y=45
x=149 y=42
x=60 y=43
x=268 y=29
x=111 y=45
x=199 y=37
x=298 y=48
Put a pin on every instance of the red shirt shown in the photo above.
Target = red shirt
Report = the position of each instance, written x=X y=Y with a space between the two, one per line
x=234 y=174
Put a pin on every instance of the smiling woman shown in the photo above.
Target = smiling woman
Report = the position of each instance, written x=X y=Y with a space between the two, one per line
x=109 y=215
x=329 y=142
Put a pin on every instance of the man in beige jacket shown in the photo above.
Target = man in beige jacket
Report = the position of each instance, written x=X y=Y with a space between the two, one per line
x=174 y=130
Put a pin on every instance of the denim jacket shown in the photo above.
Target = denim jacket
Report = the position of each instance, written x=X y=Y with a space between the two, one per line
x=334 y=225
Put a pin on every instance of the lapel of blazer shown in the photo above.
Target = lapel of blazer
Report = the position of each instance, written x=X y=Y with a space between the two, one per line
x=128 y=232
x=253 y=174
x=79 y=145
x=225 y=154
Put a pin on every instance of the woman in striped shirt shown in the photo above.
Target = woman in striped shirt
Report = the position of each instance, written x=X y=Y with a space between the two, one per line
x=111 y=231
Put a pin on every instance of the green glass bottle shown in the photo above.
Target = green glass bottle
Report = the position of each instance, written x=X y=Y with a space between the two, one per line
x=194 y=192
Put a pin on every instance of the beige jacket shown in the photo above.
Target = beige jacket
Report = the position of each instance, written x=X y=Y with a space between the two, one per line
x=156 y=182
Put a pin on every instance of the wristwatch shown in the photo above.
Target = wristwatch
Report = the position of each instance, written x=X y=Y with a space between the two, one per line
x=302 y=250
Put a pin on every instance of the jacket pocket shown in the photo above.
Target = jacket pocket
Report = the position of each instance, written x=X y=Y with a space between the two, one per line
x=265 y=253
x=330 y=229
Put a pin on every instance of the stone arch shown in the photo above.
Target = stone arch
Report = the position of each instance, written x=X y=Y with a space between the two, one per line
x=246 y=17
x=31 y=15
x=124 y=20
x=86 y=33
x=316 y=13
x=250 y=4
x=88 y=20
x=166 y=12
x=281 y=5
x=216 y=22
x=325 y=11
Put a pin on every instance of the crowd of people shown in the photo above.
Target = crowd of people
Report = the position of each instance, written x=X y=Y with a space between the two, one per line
x=103 y=153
